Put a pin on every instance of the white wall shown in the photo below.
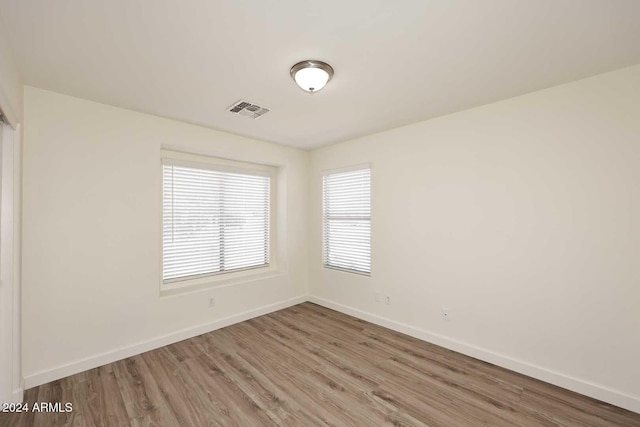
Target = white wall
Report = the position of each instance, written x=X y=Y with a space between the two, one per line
x=91 y=242
x=521 y=217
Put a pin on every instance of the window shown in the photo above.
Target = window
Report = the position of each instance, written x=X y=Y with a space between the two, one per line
x=215 y=218
x=346 y=199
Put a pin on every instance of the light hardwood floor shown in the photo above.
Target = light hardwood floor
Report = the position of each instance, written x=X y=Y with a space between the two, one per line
x=307 y=366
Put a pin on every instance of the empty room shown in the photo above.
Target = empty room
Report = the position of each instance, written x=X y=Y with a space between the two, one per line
x=347 y=213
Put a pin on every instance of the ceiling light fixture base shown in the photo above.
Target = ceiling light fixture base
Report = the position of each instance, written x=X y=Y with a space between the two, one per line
x=311 y=75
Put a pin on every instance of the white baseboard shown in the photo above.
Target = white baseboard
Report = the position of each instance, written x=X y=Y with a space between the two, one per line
x=18 y=395
x=45 y=376
x=597 y=391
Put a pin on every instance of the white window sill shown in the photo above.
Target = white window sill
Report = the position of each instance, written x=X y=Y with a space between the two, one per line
x=219 y=281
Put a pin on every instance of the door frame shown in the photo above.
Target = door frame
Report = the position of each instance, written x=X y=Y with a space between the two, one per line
x=10 y=265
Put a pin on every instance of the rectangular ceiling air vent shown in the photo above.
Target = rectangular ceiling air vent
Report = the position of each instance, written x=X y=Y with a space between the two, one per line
x=248 y=109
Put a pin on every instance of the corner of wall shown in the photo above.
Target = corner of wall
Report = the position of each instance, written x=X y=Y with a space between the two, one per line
x=11 y=88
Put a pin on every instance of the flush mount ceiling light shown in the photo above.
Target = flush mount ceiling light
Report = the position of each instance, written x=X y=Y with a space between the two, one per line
x=311 y=75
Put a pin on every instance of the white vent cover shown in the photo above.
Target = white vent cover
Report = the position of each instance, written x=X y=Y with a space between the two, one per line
x=248 y=109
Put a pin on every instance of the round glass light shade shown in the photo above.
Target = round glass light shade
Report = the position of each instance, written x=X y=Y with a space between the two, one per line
x=311 y=79
x=311 y=76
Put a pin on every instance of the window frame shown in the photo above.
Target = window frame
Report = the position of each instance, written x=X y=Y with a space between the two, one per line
x=325 y=173
x=204 y=162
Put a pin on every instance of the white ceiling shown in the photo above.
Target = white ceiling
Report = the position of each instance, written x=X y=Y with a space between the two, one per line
x=395 y=62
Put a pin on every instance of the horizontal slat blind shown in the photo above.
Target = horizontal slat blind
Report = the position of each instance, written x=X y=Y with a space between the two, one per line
x=213 y=221
x=347 y=220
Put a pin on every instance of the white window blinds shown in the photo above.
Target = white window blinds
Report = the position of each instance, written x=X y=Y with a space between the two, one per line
x=213 y=221
x=347 y=220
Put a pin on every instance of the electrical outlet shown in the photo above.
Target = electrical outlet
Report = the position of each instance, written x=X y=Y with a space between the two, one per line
x=387 y=300
x=446 y=316
x=212 y=302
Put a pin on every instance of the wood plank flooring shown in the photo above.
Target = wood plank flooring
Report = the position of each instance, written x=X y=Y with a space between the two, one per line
x=310 y=366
